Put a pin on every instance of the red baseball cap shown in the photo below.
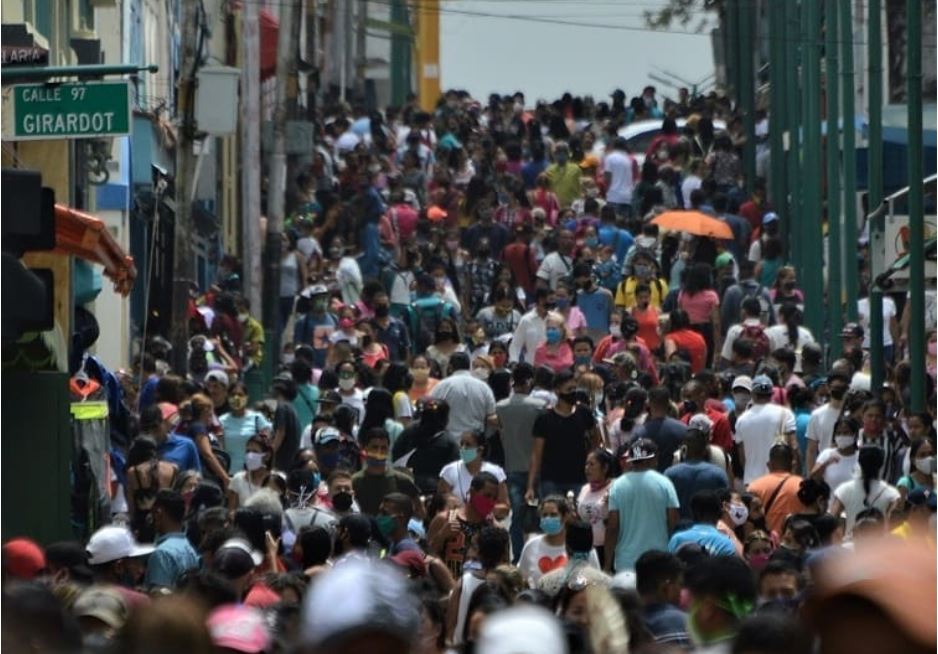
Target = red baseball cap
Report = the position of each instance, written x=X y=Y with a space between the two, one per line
x=23 y=558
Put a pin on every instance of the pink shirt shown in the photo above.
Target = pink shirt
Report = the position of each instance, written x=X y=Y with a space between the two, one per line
x=562 y=359
x=575 y=320
x=699 y=306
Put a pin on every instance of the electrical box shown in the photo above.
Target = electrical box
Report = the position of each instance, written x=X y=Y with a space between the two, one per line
x=216 y=100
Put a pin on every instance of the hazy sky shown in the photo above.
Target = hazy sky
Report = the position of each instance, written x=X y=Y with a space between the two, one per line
x=486 y=54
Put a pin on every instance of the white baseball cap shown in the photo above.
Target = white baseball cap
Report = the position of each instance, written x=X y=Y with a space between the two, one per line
x=218 y=376
x=114 y=543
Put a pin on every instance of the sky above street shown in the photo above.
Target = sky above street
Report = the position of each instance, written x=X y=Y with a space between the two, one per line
x=483 y=51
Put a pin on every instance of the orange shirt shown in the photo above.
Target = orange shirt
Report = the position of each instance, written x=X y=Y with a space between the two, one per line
x=786 y=501
x=693 y=343
x=648 y=326
x=416 y=393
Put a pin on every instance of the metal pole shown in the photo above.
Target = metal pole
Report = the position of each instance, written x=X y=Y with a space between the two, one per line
x=361 y=54
x=183 y=261
x=851 y=264
x=834 y=217
x=778 y=120
x=812 y=253
x=875 y=163
x=428 y=54
x=746 y=92
x=286 y=57
x=251 y=155
x=400 y=55
x=12 y=74
x=916 y=218
x=793 y=87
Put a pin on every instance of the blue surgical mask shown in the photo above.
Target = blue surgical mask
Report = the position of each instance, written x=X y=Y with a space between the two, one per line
x=582 y=360
x=468 y=454
x=553 y=335
x=551 y=525
x=563 y=303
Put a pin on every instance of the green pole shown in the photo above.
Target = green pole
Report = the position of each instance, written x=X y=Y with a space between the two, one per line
x=778 y=121
x=916 y=218
x=812 y=252
x=732 y=51
x=400 y=55
x=834 y=217
x=875 y=173
x=793 y=86
x=851 y=266
x=746 y=95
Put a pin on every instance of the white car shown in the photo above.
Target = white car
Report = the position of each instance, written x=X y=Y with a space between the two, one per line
x=640 y=135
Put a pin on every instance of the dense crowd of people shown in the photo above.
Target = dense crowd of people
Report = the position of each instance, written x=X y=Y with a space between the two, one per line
x=510 y=415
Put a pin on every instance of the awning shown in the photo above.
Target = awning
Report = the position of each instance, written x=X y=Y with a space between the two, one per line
x=270 y=26
x=82 y=235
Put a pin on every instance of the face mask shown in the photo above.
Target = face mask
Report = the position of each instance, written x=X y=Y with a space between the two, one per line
x=615 y=329
x=738 y=513
x=551 y=525
x=444 y=336
x=583 y=360
x=347 y=383
x=741 y=400
x=690 y=406
x=329 y=460
x=562 y=158
x=386 y=524
x=569 y=398
x=319 y=306
x=844 y=442
x=838 y=392
x=342 y=501
x=642 y=271
x=254 y=461
x=553 y=335
x=758 y=561
x=481 y=373
x=925 y=465
x=481 y=504
x=872 y=427
x=242 y=317
x=452 y=245
x=592 y=242
x=933 y=348
x=237 y=402
x=440 y=283
x=550 y=306
x=288 y=359
x=382 y=311
x=499 y=359
x=563 y=304
x=597 y=399
x=468 y=454
x=420 y=374
x=376 y=461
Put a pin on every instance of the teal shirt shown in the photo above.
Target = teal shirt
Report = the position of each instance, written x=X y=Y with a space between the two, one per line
x=802 y=418
x=238 y=431
x=642 y=500
x=172 y=558
x=306 y=404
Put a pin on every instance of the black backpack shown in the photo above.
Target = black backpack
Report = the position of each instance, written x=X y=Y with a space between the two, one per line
x=426 y=318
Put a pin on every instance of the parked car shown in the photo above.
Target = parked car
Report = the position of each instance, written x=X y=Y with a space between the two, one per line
x=640 y=134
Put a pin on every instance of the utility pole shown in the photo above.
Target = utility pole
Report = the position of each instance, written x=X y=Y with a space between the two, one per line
x=745 y=94
x=916 y=217
x=793 y=87
x=778 y=119
x=851 y=264
x=361 y=54
x=183 y=262
x=400 y=53
x=812 y=252
x=834 y=217
x=428 y=53
x=286 y=62
x=312 y=57
x=875 y=168
x=251 y=155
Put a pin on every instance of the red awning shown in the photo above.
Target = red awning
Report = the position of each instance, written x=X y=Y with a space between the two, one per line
x=270 y=26
x=82 y=235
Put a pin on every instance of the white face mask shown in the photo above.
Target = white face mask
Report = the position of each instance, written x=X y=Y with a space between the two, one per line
x=481 y=373
x=288 y=359
x=738 y=513
x=616 y=330
x=254 y=461
x=925 y=465
x=741 y=400
x=347 y=384
x=843 y=442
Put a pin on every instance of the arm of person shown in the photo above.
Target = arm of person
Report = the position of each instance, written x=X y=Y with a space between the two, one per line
x=514 y=349
x=534 y=468
x=792 y=441
x=715 y=322
x=277 y=439
x=503 y=505
x=443 y=487
x=674 y=516
x=440 y=574
x=131 y=490
x=811 y=455
x=837 y=507
x=233 y=500
x=452 y=610
x=205 y=450
x=612 y=539
x=669 y=348
x=741 y=454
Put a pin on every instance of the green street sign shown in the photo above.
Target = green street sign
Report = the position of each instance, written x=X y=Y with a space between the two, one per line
x=69 y=110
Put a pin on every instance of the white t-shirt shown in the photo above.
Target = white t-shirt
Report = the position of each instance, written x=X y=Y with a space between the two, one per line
x=778 y=338
x=309 y=246
x=735 y=332
x=854 y=498
x=757 y=429
x=539 y=557
x=554 y=268
x=821 y=426
x=689 y=185
x=242 y=486
x=457 y=475
x=593 y=507
x=842 y=470
x=619 y=165
x=863 y=312
x=356 y=400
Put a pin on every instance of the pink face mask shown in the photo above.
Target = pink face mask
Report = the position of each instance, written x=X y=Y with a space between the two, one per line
x=758 y=561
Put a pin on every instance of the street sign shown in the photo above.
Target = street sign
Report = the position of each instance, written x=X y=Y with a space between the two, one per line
x=68 y=110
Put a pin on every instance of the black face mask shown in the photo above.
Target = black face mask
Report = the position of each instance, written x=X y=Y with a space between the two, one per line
x=342 y=501
x=838 y=392
x=569 y=398
x=382 y=311
x=550 y=306
x=690 y=406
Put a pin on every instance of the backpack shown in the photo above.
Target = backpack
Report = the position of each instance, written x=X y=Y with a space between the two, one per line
x=427 y=318
x=757 y=293
x=760 y=341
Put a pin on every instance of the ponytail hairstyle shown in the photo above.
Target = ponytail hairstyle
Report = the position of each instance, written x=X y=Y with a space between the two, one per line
x=791 y=317
x=811 y=490
x=871 y=459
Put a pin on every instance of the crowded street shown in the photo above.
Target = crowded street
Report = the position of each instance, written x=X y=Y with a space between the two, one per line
x=409 y=369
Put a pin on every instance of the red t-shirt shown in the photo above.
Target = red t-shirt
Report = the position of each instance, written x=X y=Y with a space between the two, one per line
x=521 y=262
x=557 y=361
x=694 y=344
x=753 y=213
x=403 y=219
x=721 y=434
x=648 y=326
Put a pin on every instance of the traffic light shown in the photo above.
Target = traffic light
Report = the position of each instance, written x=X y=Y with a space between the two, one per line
x=28 y=225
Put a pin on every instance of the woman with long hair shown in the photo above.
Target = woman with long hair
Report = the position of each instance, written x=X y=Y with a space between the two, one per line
x=379 y=412
x=592 y=503
x=702 y=305
x=258 y=462
x=867 y=491
x=398 y=381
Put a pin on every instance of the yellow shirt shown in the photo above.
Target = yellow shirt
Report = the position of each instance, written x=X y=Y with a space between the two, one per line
x=564 y=182
x=904 y=531
x=625 y=293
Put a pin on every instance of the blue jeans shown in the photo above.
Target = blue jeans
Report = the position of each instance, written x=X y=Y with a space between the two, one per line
x=517 y=485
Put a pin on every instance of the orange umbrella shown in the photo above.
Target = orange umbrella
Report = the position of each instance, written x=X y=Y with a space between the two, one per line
x=694 y=222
